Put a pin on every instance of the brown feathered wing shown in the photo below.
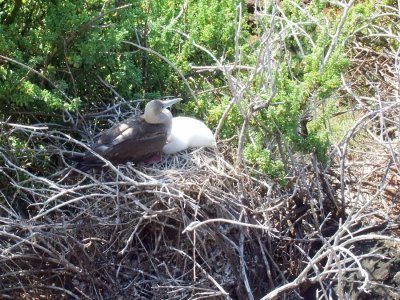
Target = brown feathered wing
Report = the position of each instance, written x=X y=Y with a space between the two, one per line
x=131 y=140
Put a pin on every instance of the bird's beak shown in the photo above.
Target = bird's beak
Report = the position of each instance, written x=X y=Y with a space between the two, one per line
x=168 y=103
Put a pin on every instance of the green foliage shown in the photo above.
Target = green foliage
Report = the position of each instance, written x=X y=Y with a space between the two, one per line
x=17 y=144
x=263 y=160
x=233 y=121
x=211 y=112
x=210 y=24
x=20 y=151
x=305 y=90
x=71 y=43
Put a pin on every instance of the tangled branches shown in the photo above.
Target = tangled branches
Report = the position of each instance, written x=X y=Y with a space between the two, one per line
x=200 y=224
x=182 y=227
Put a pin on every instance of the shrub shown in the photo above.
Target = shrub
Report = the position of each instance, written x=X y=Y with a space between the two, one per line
x=71 y=43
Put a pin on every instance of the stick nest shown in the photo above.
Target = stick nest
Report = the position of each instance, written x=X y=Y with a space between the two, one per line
x=192 y=226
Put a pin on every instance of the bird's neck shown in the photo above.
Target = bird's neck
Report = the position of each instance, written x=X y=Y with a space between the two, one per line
x=165 y=117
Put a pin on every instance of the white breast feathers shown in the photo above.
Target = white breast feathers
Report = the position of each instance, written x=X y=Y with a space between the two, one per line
x=188 y=132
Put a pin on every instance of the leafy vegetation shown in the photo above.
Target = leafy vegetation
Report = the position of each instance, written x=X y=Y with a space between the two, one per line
x=73 y=42
x=287 y=214
x=55 y=53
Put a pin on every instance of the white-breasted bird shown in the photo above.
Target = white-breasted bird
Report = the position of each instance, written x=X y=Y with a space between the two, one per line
x=135 y=139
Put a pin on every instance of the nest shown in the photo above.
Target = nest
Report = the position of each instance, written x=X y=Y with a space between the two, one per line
x=193 y=226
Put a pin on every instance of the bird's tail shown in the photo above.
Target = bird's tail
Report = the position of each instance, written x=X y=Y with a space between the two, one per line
x=85 y=161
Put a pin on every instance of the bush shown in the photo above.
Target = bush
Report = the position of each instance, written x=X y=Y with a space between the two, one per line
x=55 y=52
x=307 y=62
x=71 y=43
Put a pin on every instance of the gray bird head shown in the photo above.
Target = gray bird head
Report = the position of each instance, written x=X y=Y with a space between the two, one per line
x=155 y=111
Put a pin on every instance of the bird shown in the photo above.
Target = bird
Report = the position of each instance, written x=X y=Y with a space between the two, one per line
x=188 y=132
x=133 y=140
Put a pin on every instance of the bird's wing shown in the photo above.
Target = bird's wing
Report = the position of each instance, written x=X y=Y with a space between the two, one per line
x=125 y=129
x=131 y=140
x=136 y=149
